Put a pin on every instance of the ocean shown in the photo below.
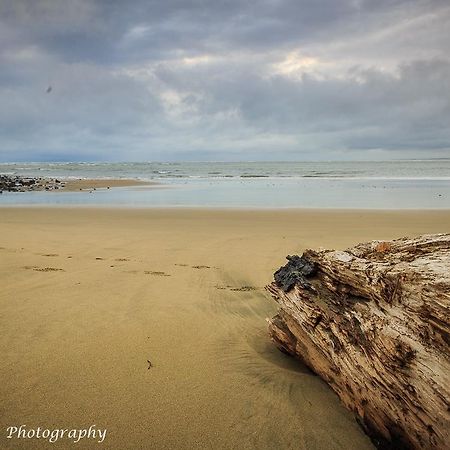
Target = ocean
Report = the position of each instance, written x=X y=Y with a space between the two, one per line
x=413 y=184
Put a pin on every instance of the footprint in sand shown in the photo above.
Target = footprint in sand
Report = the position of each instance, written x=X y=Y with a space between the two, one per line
x=48 y=269
x=237 y=289
x=158 y=274
x=43 y=269
x=99 y=259
x=49 y=254
x=121 y=259
x=244 y=289
x=196 y=267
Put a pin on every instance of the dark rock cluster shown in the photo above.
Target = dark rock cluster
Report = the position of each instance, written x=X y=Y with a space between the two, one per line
x=16 y=183
x=295 y=271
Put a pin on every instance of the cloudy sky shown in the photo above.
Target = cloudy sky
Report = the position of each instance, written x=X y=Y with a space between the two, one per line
x=224 y=79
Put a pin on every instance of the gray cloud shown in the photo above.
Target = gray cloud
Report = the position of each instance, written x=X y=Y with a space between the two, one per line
x=224 y=80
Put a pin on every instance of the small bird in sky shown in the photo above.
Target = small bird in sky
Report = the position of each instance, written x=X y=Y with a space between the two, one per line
x=49 y=89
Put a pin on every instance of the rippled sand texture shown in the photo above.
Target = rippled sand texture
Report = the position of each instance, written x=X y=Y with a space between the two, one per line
x=89 y=296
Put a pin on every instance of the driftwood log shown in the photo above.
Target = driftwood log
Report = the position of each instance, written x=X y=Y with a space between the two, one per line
x=373 y=322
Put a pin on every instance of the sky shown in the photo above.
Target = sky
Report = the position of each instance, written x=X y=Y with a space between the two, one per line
x=191 y=80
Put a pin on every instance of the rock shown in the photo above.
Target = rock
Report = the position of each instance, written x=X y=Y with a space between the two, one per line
x=15 y=183
x=373 y=322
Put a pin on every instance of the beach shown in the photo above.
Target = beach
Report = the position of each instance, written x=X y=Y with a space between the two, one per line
x=83 y=184
x=150 y=323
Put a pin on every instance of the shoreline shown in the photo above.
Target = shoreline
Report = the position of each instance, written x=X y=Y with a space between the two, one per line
x=185 y=210
x=319 y=194
x=201 y=208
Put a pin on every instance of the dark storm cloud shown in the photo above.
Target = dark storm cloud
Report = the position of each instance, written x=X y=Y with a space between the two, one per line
x=224 y=79
x=82 y=29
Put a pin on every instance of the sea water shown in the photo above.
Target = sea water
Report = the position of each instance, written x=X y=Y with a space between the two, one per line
x=421 y=184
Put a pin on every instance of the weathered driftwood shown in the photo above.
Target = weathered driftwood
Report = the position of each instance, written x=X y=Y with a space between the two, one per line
x=373 y=322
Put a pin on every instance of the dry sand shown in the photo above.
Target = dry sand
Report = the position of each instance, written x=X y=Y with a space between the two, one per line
x=89 y=295
x=84 y=184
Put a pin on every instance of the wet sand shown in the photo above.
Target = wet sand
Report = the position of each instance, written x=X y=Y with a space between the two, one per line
x=85 y=184
x=88 y=296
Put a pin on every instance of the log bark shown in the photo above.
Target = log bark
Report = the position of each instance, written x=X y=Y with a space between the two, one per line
x=373 y=322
